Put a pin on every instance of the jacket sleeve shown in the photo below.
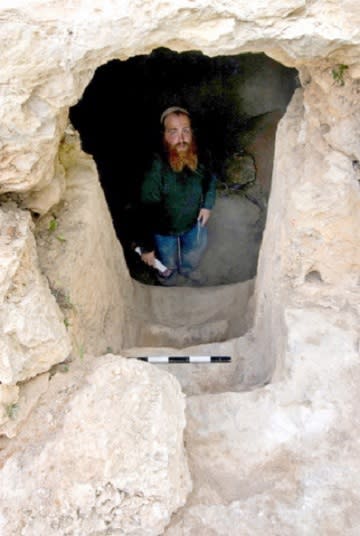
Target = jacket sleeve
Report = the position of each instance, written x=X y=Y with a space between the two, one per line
x=209 y=191
x=151 y=194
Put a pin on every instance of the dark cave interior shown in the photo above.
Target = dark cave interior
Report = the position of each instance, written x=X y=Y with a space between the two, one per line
x=230 y=99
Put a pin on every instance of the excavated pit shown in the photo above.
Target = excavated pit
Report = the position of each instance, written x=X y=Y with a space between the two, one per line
x=236 y=104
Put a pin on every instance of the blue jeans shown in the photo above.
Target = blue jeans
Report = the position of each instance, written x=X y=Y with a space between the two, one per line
x=182 y=253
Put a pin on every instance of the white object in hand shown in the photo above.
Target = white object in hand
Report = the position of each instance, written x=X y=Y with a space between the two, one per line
x=158 y=265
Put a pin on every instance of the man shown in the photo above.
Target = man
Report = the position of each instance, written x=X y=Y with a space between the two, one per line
x=177 y=194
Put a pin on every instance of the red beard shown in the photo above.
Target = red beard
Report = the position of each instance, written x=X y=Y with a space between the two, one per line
x=178 y=160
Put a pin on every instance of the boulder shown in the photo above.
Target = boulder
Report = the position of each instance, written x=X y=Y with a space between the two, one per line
x=281 y=460
x=103 y=453
x=33 y=336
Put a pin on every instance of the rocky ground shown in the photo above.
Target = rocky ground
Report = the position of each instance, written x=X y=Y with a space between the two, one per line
x=101 y=444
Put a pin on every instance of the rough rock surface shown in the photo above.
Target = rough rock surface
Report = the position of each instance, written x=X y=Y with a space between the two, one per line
x=289 y=451
x=211 y=315
x=83 y=260
x=310 y=255
x=19 y=406
x=246 y=370
x=33 y=336
x=67 y=43
x=33 y=333
x=281 y=460
x=102 y=454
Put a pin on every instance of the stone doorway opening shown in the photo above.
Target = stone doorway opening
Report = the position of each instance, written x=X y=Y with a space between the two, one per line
x=236 y=103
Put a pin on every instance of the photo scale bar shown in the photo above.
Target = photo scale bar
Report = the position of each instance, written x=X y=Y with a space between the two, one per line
x=186 y=359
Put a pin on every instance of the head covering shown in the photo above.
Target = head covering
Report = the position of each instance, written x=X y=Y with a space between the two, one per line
x=171 y=110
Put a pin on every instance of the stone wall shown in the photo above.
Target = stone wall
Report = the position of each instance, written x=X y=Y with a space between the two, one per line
x=83 y=260
x=312 y=229
x=33 y=334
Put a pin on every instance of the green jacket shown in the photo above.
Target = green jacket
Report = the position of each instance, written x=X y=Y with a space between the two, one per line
x=172 y=200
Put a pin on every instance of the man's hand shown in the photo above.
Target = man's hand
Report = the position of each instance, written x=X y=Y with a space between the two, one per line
x=203 y=216
x=148 y=258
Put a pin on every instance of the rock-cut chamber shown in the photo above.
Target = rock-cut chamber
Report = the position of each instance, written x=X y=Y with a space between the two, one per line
x=236 y=103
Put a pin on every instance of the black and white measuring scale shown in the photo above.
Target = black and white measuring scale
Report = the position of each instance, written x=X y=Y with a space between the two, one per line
x=186 y=359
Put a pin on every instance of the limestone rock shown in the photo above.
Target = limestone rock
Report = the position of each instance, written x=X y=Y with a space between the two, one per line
x=21 y=405
x=9 y=396
x=83 y=260
x=102 y=454
x=282 y=459
x=212 y=314
x=244 y=372
x=41 y=199
x=313 y=220
x=33 y=334
x=67 y=43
